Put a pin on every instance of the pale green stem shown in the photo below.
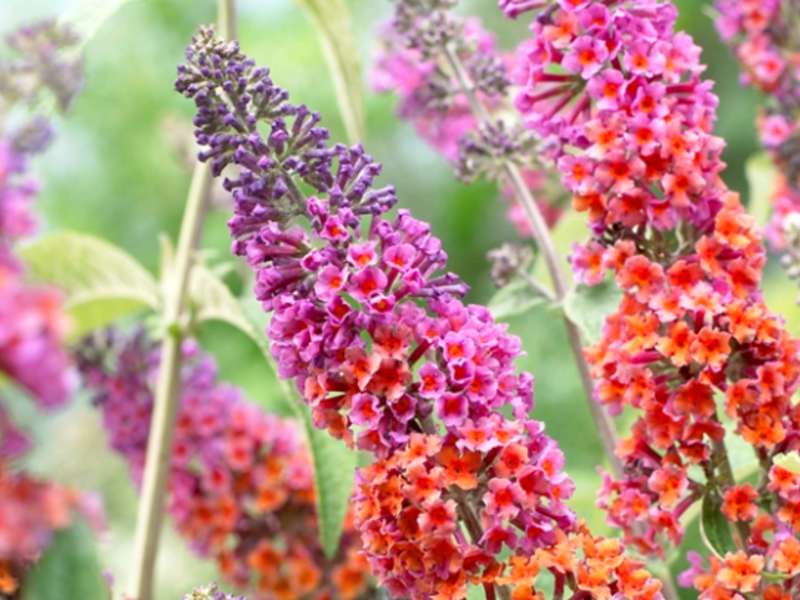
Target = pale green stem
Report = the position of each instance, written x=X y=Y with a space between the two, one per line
x=159 y=446
x=544 y=241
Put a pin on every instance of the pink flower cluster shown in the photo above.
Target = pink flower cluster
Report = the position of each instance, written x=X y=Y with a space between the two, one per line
x=241 y=489
x=763 y=36
x=32 y=324
x=625 y=103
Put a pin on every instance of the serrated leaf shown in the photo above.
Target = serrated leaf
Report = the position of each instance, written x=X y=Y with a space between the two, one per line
x=514 y=299
x=87 y=17
x=336 y=35
x=588 y=307
x=69 y=568
x=102 y=282
x=761 y=177
x=715 y=529
x=790 y=462
x=334 y=463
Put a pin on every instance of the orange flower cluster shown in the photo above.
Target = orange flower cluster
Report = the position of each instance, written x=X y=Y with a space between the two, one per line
x=692 y=343
x=692 y=331
x=411 y=508
x=30 y=512
x=241 y=489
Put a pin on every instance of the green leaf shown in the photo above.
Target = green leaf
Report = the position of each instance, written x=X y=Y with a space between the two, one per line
x=334 y=468
x=715 y=529
x=334 y=463
x=588 y=307
x=88 y=17
x=69 y=568
x=213 y=301
x=102 y=282
x=790 y=462
x=761 y=176
x=514 y=299
x=336 y=35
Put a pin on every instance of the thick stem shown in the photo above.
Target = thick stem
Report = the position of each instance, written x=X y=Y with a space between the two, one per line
x=159 y=445
x=544 y=241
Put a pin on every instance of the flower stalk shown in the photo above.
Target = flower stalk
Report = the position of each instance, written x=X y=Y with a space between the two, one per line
x=544 y=241
x=150 y=515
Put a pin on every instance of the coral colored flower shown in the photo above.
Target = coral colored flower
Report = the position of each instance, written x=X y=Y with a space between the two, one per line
x=244 y=495
x=738 y=503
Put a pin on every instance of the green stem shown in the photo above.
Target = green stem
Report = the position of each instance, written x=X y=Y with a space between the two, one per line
x=159 y=445
x=544 y=241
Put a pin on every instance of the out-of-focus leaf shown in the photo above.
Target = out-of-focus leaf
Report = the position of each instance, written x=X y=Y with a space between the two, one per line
x=102 y=282
x=570 y=229
x=69 y=568
x=514 y=299
x=331 y=19
x=212 y=300
x=588 y=307
x=87 y=17
x=790 y=462
x=715 y=529
x=334 y=467
x=334 y=462
x=761 y=176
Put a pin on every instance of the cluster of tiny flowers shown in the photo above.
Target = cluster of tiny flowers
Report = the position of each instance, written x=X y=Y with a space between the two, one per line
x=634 y=121
x=765 y=38
x=32 y=325
x=785 y=202
x=386 y=355
x=241 y=489
x=434 y=101
x=30 y=511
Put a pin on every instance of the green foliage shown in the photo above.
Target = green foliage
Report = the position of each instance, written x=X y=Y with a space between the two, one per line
x=588 y=307
x=334 y=463
x=102 y=283
x=761 y=177
x=69 y=568
x=516 y=298
x=336 y=35
x=790 y=462
x=88 y=17
x=715 y=529
x=334 y=467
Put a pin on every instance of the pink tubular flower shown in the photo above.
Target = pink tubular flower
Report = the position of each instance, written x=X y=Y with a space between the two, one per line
x=241 y=485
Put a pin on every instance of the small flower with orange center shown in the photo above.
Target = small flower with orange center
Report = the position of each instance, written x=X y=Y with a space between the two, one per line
x=738 y=503
x=741 y=572
x=786 y=558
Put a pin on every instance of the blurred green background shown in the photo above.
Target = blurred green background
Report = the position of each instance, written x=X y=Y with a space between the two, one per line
x=112 y=173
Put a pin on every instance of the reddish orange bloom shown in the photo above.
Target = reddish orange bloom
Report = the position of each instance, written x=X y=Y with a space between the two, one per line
x=711 y=347
x=645 y=276
x=460 y=469
x=8 y=583
x=787 y=556
x=739 y=503
x=741 y=572
x=677 y=343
